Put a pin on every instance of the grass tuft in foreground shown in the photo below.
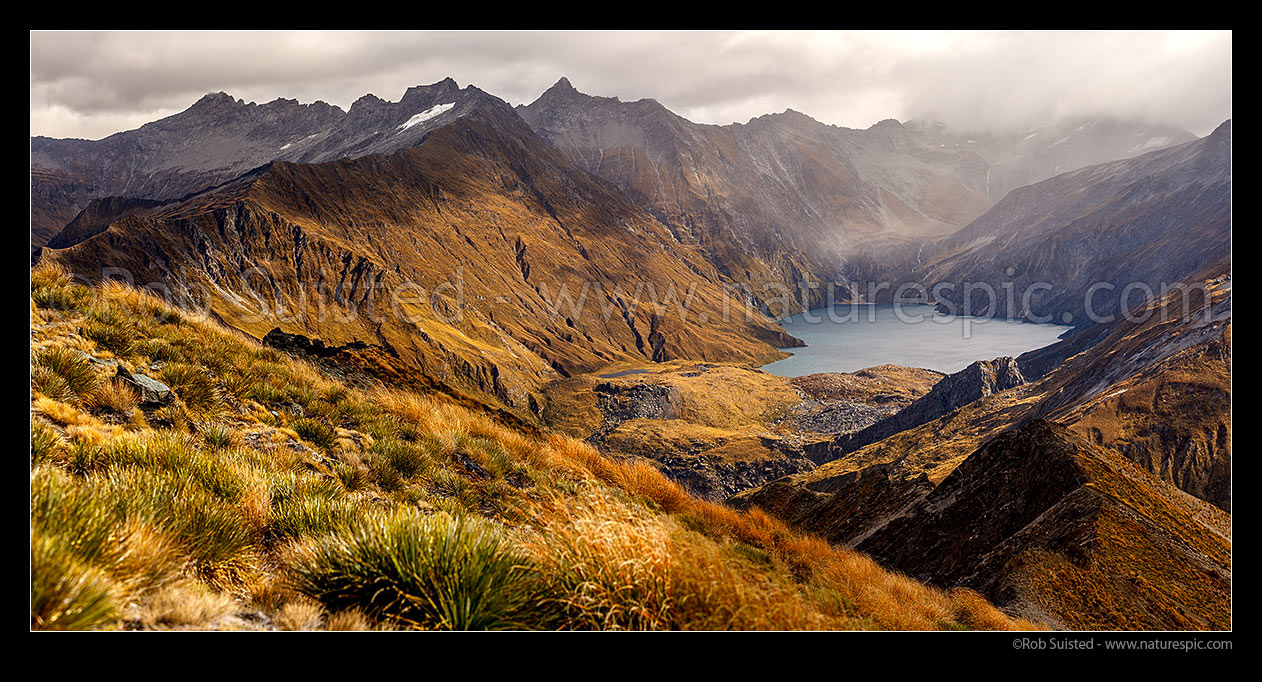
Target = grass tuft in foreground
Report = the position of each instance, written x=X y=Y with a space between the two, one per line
x=432 y=572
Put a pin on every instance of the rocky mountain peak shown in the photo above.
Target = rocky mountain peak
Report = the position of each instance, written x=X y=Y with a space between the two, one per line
x=368 y=102
x=564 y=91
x=215 y=101
x=978 y=380
x=446 y=86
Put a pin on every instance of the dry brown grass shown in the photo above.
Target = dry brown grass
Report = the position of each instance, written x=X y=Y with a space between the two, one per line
x=187 y=605
x=300 y=614
x=116 y=396
x=622 y=567
x=867 y=594
x=349 y=620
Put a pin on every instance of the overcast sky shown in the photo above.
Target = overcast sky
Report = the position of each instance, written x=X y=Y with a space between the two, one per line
x=92 y=84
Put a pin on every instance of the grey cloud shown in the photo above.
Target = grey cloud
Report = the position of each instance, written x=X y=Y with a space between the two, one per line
x=90 y=84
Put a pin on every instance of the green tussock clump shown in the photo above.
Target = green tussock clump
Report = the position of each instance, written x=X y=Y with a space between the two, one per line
x=109 y=329
x=435 y=572
x=46 y=443
x=54 y=289
x=308 y=511
x=87 y=556
x=72 y=536
x=217 y=538
x=315 y=432
x=66 y=372
x=65 y=594
x=194 y=387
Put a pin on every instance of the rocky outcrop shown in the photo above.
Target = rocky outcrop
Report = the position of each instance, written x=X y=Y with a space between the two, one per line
x=297 y=343
x=978 y=380
x=638 y=401
x=714 y=478
x=844 y=509
x=153 y=393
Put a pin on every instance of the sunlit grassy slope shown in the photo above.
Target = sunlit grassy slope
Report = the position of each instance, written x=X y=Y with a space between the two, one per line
x=267 y=495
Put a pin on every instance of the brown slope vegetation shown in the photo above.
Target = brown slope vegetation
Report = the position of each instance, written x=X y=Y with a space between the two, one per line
x=263 y=494
x=718 y=429
x=449 y=256
x=1158 y=390
x=1045 y=523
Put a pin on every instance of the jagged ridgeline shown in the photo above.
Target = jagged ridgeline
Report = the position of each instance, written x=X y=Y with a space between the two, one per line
x=186 y=476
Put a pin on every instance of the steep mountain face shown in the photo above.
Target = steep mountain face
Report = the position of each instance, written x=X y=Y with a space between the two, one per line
x=1158 y=391
x=480 y=258
x=1042 y=522
x=1108 y=231
x=219 y=138
x=782 y=198
x=1023 y=158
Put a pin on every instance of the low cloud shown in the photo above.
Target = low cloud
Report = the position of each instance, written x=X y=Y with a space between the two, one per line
x=91 y=84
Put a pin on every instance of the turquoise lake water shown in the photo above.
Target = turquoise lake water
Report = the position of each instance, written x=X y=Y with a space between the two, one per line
x=853 y=337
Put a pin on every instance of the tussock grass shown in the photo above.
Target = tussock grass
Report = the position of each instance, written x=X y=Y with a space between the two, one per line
x=316 y=432
x=193 y=386
x=214 y=535
x=115 y=396
x=186 y=604
x=46 y=444
x=350 y=620
x=841 y=583
x=53 y=288
x=53 y=385
x=300 y=615
x=624 y=568
x=108 y=328
x=65 y=593
x=435 y=572
x=310 y=513
x=219 y=436
x=76 y=371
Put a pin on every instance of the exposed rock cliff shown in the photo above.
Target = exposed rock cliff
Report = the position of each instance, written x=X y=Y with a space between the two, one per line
x=978 y=380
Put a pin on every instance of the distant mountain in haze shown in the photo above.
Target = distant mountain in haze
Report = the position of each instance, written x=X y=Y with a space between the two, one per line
x=1148 y=221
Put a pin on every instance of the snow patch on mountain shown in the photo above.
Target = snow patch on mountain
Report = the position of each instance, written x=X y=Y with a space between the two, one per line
x=426 y=115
